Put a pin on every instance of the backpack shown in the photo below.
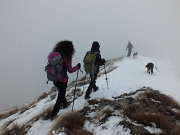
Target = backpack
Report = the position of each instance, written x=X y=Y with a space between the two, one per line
x=89 y=60
x=54 y=67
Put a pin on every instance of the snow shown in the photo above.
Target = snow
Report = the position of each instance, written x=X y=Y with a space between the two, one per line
x=129 y=76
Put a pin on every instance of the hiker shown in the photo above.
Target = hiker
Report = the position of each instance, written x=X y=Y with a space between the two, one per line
x=66 y=49
x=129 y=47
x=98 y=62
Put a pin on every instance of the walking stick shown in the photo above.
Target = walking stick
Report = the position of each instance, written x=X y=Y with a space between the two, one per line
x=75 y=89
x=125 y=53
x=84 y=82
x=106 y=76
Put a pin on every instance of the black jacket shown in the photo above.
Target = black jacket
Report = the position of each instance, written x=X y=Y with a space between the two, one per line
x=99 y=61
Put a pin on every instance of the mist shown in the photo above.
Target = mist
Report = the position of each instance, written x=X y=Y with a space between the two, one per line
x=29 y=30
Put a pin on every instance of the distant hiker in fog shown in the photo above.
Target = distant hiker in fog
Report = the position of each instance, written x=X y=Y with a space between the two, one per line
x=66 y=50
x=93 y=55
x=129 y=47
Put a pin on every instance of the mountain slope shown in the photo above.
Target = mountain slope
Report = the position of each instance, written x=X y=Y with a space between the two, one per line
x=124 y=75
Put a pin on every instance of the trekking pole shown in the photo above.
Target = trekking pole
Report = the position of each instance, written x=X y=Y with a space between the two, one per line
x=84 y=82
x=75 y=89
x=106 y=76
x=82 y=75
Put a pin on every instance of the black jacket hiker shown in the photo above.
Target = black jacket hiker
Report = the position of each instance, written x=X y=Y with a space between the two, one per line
x=98 y=62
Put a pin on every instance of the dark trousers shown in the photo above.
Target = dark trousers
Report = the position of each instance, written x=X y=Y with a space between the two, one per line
x=92 y=84
x=61 y=96
x=129 y=52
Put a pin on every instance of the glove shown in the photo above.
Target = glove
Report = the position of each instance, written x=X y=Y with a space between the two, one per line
x=104 y=60
x=79 y=65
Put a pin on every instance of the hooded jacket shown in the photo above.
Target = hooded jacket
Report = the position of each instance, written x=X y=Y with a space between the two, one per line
x=99 y=61
x=129 y=46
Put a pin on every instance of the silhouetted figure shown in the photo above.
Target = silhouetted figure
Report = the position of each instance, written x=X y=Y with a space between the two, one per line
x=98 y=62
x=129 y=47
x=66 y=49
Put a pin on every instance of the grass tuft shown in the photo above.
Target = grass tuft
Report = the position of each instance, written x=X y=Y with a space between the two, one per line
x=81 y=132
x=70 y=122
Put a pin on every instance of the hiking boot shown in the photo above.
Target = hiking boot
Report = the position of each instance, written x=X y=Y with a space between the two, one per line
x=96 y=88
x=87 y=97
x=66 y=105
x=53 y=116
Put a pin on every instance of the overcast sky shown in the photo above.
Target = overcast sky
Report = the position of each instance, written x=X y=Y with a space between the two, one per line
x=29 y=29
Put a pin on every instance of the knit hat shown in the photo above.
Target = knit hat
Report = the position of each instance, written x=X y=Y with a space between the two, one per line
x=95 y=47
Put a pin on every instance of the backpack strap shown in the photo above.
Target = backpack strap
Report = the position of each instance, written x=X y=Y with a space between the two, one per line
x=89 y=52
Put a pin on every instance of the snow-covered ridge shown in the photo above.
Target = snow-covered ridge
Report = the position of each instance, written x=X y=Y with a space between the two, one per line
x=124 y=75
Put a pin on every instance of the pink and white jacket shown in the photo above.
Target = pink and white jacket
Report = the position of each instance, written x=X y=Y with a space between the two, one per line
x=70 y=69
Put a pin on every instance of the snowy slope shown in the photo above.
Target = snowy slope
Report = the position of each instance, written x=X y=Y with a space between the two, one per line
x=129 y=76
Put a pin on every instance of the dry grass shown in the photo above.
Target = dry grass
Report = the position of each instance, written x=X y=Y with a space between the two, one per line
x=85 y=110
x=106 y=71
x=93 y=102
x=100 y=74
x=53 y=95
x=15 y=130
x=111 y=69
x=44 y=114
x=103 y=115
x=81 y=83
x=44 y=95
x=78 y=93
x=131 y=109
x=106 y=114
x=178 y=115
x=154 y=112
x=9 y=113
x=140 y=117
x=83 y=78
x=54 y=89
x=162 y=122
x=24 y=108
x=118 y=107
x=69 y=122
x=27 y=106
x=169 y=101
x=81 y=132
x=166 y=100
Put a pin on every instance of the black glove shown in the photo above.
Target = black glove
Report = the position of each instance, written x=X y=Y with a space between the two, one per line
x=104 y=60
x=79 y=65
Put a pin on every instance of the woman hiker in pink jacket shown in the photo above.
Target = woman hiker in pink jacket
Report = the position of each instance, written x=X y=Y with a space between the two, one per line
x=66 y=49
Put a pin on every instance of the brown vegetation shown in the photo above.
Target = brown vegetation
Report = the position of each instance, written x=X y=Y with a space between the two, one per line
x=69 y=122
x=8 y=113
x=15 y=130
x=81 y=132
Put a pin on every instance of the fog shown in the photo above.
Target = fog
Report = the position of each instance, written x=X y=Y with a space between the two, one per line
x=29 y=30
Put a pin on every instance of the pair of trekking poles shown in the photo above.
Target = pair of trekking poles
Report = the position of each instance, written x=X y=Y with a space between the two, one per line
x=84 y=83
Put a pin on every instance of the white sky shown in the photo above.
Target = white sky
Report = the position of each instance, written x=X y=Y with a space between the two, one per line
x=29 y=29
x=123 y=79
